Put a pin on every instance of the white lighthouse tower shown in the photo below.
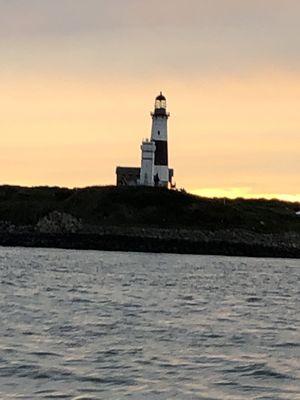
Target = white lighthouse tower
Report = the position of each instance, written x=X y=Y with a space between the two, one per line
x=159 y=135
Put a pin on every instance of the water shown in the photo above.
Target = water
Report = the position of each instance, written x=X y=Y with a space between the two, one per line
x=97 y=325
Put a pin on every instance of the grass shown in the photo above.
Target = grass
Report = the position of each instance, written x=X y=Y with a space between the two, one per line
x=140 y=206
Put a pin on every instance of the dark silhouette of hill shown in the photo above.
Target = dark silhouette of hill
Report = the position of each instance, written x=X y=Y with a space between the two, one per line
x=147 y=207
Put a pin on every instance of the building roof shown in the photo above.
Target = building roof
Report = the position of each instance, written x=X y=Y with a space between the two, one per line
x=126 y=170
x=161 y=97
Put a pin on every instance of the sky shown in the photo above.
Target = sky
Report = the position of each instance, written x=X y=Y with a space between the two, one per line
x=78 y=80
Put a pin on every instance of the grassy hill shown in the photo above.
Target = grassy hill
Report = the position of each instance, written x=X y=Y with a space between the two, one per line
x=147 y=207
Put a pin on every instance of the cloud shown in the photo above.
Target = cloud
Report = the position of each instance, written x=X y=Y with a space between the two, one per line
x=59 y=17
x=174 y=36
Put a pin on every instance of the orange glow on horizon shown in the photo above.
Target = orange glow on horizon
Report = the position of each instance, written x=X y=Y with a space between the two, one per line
x=246 y=193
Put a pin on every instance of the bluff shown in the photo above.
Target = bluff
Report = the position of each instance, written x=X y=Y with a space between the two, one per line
x=147 y=219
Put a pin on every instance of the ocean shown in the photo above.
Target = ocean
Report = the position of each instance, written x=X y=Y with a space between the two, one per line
x=108 y=325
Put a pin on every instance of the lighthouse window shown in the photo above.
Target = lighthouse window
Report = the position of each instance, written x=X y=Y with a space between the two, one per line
x=158 y=132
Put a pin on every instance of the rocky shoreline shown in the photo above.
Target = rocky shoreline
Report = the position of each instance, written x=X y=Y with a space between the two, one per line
x=228 y=243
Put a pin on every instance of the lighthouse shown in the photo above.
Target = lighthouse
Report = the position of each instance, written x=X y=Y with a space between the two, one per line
x=159 y=135
x=154 y=170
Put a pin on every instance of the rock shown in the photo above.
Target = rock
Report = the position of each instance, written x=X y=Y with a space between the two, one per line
x=6 y=226
x=57 y=222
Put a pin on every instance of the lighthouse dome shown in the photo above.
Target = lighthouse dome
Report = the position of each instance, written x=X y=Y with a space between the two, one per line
x=161 y=97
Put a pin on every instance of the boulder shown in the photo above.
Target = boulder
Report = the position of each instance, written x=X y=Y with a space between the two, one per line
x=57 y=222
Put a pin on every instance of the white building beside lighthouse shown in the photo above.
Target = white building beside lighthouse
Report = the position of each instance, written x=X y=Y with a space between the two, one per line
x=154 y=170
x=147 y=166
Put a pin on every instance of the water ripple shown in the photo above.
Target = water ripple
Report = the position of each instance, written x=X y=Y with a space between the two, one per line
x=96 y=325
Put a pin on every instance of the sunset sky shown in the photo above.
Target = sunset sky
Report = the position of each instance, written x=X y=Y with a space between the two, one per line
x=78 y=80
